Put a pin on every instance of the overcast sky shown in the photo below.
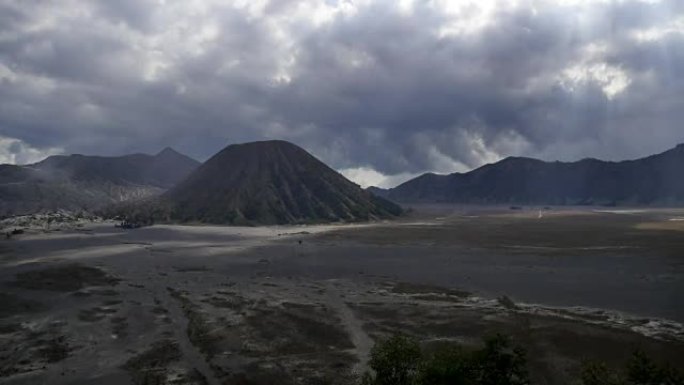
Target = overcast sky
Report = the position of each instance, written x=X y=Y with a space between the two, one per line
x=380 y=90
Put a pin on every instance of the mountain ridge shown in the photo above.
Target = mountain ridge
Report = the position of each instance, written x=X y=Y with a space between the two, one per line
x=651 y=180
x=141 y=169
x=86 y=182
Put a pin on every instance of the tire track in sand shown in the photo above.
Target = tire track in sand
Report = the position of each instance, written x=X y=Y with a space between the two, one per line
x=362 y=342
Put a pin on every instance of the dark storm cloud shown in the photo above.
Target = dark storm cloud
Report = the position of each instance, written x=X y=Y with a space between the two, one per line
x=375 y=85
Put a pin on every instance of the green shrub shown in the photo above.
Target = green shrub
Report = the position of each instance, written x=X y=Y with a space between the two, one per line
x=395 y=361
x=400 y=361
x=595 y=373
x=640 y=370
x=447 y=365
x=500 y=363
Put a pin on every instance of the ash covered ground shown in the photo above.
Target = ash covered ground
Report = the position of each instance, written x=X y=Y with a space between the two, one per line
x=304 y=304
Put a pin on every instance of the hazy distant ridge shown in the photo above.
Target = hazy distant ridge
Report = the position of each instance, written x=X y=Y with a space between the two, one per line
x=654 y=180
x=81 y=182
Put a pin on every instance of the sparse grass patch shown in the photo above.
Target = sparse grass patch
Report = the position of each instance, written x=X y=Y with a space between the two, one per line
x=55 y=350
x=11 y=304
x=416 y=288
x=150 y=367
x=64 y=278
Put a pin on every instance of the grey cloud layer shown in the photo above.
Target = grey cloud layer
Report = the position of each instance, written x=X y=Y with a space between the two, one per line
x=399 y=89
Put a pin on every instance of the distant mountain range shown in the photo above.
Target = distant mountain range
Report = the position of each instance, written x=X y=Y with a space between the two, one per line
x=80 y=182
x=276 y=182
x=270 y=182
x=654 y=180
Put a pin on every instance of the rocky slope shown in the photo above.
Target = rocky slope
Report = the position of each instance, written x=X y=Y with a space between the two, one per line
x=271 y=182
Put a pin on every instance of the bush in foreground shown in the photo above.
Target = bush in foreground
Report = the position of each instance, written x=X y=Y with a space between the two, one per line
x=640 y=370
x=400 y=360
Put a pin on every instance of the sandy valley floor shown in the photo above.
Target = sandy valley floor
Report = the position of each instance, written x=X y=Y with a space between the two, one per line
x=303 y=305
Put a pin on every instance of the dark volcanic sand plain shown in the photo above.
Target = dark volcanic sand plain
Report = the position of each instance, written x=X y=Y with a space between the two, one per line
x=303 y=304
